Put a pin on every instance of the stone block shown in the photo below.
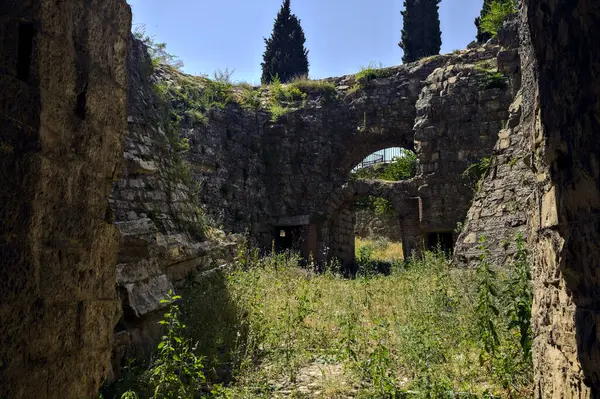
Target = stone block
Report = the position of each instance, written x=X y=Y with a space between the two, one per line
x=145 y=297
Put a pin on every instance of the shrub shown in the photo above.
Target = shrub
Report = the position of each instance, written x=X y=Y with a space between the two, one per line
x=157 y=51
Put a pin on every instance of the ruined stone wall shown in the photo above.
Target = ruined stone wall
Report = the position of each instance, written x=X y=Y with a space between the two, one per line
x=253 y=171
x=545 y=172
x=63 y=116
x=164 y=235
x=499 y=209
x=371 y=224
x=459 y=113
x=563 y=87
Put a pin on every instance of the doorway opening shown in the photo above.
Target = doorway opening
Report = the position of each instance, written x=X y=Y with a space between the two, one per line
x=301 y=239
x=442 y=240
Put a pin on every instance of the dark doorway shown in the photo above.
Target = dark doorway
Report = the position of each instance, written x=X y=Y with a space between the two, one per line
x=289 y=238
x=440 y=240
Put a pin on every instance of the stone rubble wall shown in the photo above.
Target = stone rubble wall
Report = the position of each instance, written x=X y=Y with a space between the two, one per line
x=63 y=113
x=253 y=172
x=499 y=209
x=459 y=114
x=160 y=222
x=371 y=225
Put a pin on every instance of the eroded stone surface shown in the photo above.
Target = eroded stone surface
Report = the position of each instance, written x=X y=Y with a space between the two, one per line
x=62 y=120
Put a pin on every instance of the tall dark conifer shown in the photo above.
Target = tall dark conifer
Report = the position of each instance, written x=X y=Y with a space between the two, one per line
x=285 y=55
x=421 y=33
x=483 y=37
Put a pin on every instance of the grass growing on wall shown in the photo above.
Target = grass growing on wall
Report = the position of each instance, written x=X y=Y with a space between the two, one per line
x=271 y=328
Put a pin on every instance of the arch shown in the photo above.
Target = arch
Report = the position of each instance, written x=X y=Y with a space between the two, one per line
x=336 y=230
x=373 y=139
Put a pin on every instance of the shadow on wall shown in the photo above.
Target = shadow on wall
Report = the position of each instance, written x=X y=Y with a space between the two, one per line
x=564 y=37
x=213 y=322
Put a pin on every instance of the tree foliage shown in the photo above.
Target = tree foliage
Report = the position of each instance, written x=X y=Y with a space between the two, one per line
x=401 y=168
x=482 y=36
x=285 y=56
x=492 y=16
x=421 y=33
x=493 y=20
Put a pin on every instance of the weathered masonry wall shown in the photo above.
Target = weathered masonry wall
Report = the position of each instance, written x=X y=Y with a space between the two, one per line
x=544 y=183
x=62 y=119
x=254 y=174
x=164 y=239
x=499 y=209
x=563 y=84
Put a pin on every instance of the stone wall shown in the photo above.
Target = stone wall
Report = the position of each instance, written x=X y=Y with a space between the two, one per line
x=254 y=172
x=563 y=87
x=544 y=184
x=369 y=224
x=165 y=238
x=499 y=209
x=63 y=116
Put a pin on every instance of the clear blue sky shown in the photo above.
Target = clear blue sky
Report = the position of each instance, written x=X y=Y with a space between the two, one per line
x=341 y=35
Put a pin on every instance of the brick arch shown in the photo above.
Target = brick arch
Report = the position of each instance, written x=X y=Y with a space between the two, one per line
x=336 y=230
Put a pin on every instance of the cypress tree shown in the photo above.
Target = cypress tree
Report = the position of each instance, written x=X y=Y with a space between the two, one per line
x=483 y=37
x=421 y=33
x=285 y=55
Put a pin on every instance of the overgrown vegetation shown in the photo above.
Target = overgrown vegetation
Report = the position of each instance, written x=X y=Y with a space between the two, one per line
x=477 y=171
x=182 y=101
x=285 y=97
x=490 y=77
x=492 y=20
x=270 y=328
x=367 y=74
x=157 y=51
x=400 y=168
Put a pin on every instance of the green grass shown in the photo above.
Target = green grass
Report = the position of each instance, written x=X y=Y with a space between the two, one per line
x=309 y=86
x=270 y=328
x=368 y=74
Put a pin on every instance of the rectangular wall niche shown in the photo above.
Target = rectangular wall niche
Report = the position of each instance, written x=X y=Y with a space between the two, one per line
x=25 y=50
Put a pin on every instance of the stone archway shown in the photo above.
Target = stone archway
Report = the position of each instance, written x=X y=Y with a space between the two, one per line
x=336 y=227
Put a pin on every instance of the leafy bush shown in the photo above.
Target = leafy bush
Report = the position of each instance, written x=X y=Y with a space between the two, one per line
x=487 y=305
x=157 y=51
x=176 y=372
x=402 y=167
